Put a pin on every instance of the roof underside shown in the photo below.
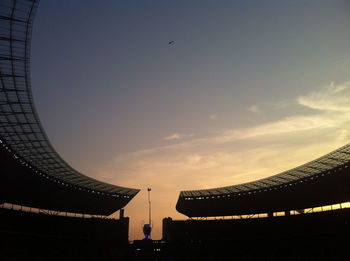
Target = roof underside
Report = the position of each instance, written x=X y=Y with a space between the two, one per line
x=20 y=128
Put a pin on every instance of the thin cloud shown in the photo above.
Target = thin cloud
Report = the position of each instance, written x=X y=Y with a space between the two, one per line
x=212 y=116
x=254 y=108
x=331 y=98
x=294 y=129
x=174 y=136
x=234 y=156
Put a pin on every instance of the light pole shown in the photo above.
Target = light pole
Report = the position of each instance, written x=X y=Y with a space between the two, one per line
x=149 y=205
x=147 y=228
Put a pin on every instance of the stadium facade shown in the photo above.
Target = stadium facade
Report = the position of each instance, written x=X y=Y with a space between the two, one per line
x=299 y=214
x=32 y=172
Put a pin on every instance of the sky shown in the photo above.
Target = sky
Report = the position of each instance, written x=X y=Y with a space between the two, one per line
x=248 y=89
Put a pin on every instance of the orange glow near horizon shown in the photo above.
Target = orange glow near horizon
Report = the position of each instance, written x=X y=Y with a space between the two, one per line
x=229 y=157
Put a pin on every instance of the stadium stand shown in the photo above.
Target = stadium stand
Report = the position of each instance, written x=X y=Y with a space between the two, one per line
x=324 y=181
x=298 y=214
x=314 y=236
x=39 y=236
x=22 y=135
x=33 y=175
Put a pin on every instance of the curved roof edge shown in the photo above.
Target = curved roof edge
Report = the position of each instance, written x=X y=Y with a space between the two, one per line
x=313 y=168
x=321 y=182
x=20 y=127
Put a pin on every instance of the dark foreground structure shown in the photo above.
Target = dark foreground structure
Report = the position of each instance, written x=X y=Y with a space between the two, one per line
x=35 y=165
x=33 y=175
x=271 y=218
x=314 y=236
x=34 y=236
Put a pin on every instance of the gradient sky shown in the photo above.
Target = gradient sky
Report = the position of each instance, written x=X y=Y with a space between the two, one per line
x=248 y=89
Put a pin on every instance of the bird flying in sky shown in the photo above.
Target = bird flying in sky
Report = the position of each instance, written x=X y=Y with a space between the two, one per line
x=171 y=42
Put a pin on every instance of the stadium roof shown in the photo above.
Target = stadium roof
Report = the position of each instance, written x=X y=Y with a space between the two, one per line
x=325 y=180
x=20 y=128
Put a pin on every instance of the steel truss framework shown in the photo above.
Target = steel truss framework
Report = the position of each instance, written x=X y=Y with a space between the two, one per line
x=20 y=128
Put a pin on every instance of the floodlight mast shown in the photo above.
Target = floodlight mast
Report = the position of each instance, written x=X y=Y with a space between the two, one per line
x=147 y=228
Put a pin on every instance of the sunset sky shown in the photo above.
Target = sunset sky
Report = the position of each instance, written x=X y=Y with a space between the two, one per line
x=247 y=90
